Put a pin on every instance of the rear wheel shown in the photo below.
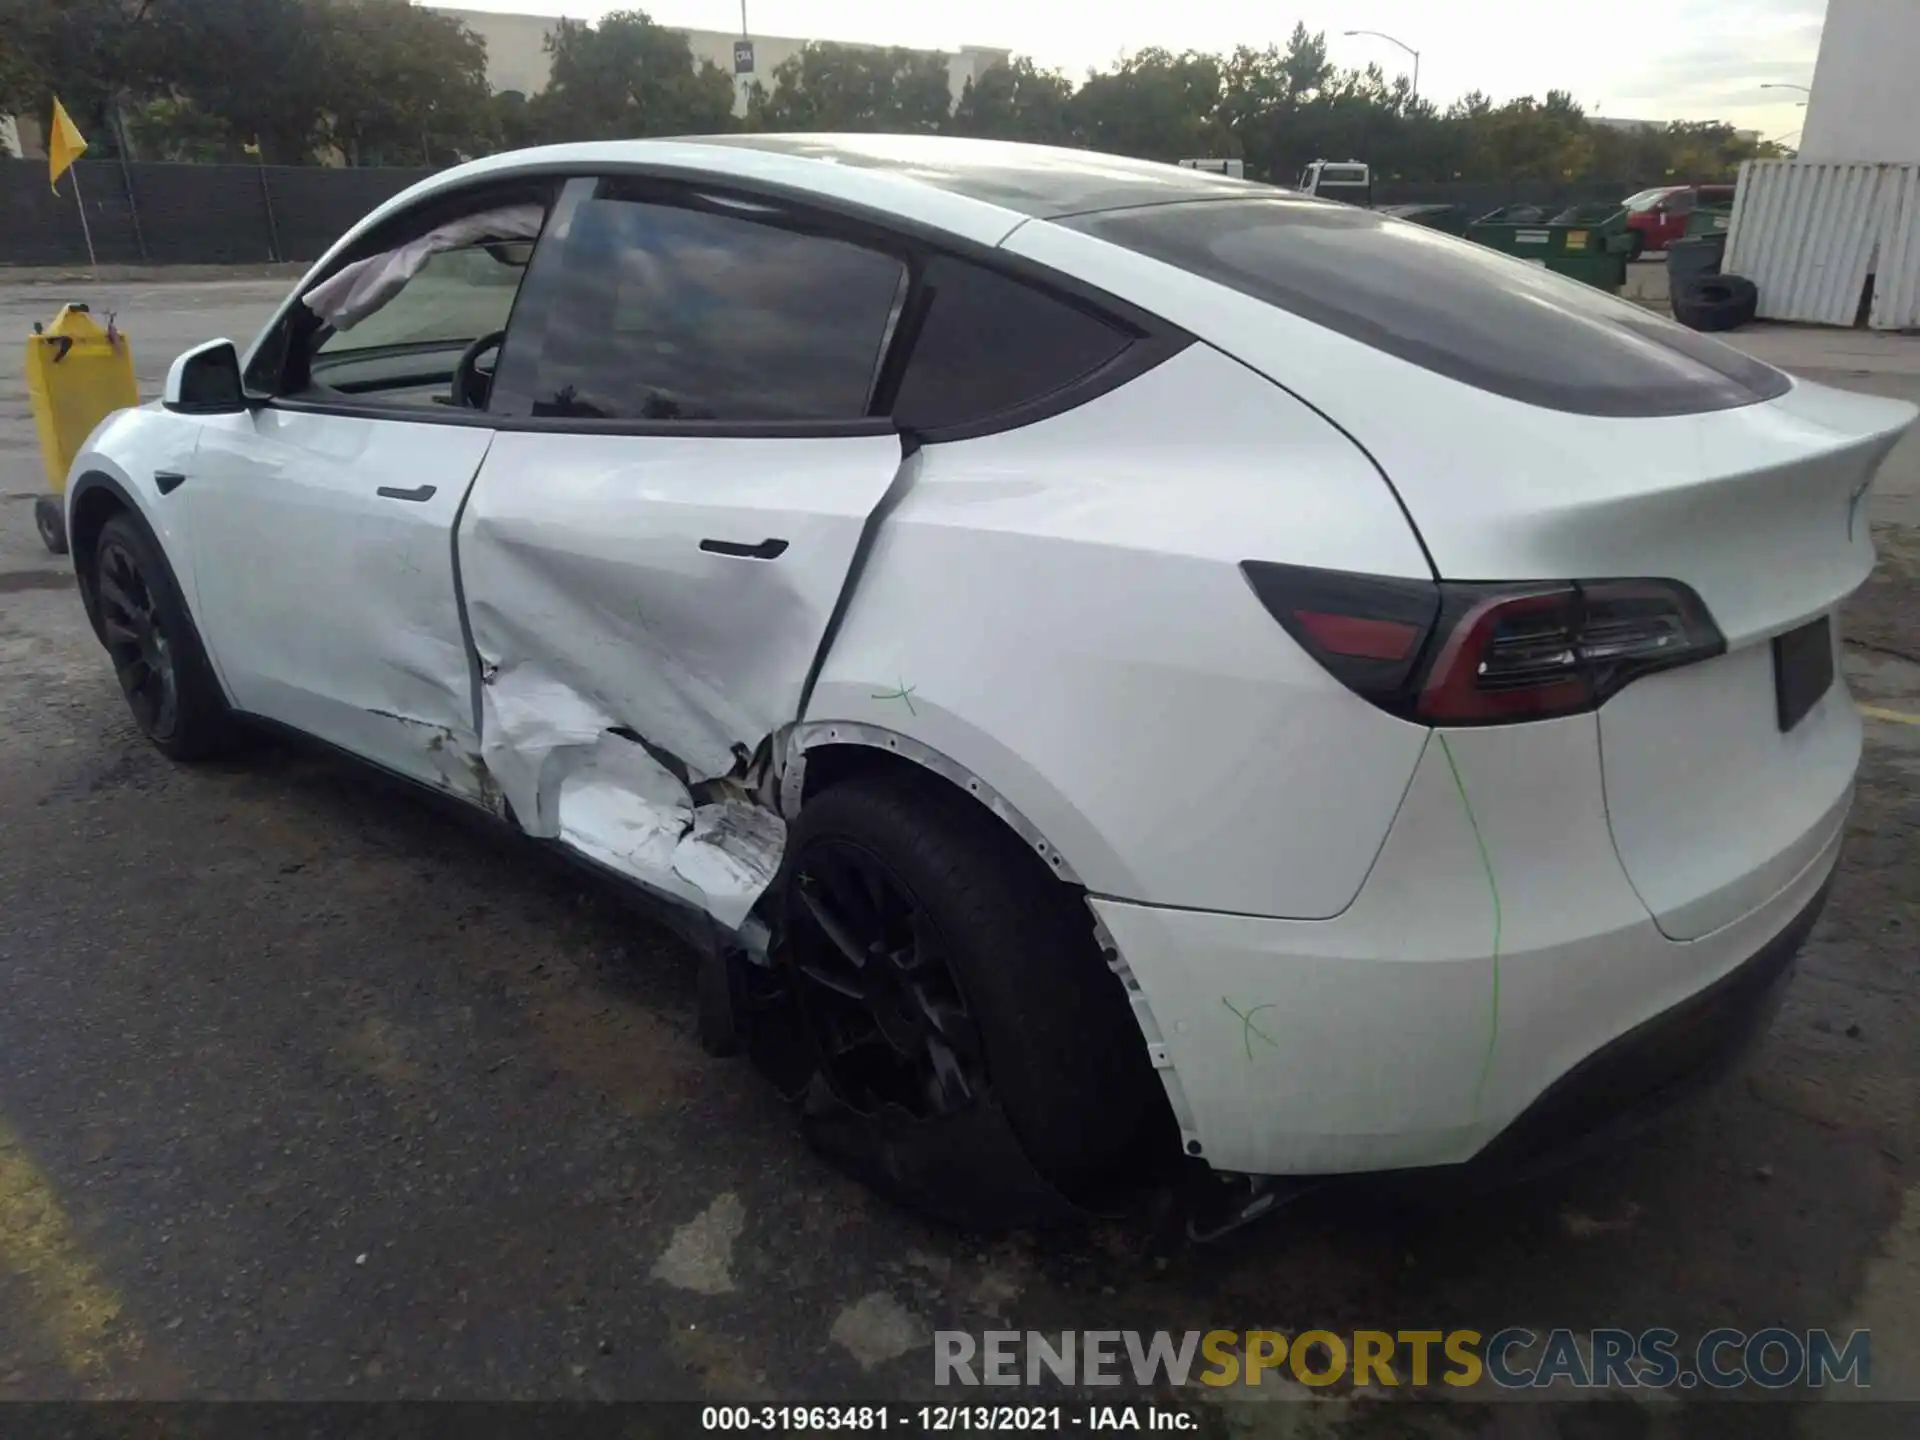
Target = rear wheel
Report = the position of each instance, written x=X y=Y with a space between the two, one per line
x=945 y=980
x=169 y=686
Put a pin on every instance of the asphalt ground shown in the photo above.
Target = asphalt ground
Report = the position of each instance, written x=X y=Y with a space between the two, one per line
x=309 y=1090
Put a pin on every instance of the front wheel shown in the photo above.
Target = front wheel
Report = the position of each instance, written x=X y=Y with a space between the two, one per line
x=961 y=1019
x=169 y=686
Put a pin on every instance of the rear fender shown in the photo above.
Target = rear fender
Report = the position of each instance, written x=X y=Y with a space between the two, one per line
x=1059 y=612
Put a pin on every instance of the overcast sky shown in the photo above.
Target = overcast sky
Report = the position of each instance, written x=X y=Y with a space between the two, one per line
x=1672 y=60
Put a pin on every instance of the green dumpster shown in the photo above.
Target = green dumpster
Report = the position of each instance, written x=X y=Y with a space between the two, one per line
x=1449 y=219
x=1587 y=243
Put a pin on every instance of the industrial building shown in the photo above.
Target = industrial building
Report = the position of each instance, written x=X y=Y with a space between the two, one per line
x=1864 y=104
x=517 y=58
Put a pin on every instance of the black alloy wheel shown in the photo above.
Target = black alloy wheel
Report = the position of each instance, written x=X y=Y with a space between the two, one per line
x=876 y=987
x=143 y=653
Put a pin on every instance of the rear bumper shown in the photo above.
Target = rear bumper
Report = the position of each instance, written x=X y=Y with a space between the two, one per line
x=1661 y=1062
x=1496 y=991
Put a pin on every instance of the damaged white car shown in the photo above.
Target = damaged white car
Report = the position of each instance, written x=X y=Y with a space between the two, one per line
x=1125 y=663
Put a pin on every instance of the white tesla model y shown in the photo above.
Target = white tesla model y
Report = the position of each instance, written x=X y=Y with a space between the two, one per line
x=1123 y=662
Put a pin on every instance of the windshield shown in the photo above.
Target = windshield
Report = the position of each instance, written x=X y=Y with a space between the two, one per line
x=1647 y=199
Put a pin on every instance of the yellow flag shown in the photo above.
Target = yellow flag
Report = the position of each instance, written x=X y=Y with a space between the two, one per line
x=65 y=144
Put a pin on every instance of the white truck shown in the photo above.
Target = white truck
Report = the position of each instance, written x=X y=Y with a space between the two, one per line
x=1348 y=180
x=1237 y=169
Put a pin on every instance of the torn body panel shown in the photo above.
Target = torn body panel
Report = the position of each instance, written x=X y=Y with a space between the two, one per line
x=645 y=612
x=623 y=809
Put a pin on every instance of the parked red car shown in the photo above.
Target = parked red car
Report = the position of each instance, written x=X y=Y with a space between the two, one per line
x=1658 y=217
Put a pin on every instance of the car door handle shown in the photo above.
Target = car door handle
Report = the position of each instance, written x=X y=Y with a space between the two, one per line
x=168 y=481
x=394 y=492
x=765 y=550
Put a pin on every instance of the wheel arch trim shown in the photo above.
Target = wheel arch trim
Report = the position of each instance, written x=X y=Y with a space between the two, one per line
x=95 y=479
x=812 y=735
x=88 y=482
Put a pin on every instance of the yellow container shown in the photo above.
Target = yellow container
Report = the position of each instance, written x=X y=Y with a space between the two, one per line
x=77 y=375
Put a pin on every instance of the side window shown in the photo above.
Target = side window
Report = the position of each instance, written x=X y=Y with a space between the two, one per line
x=1680 y=203
x=988 y=343
x=400 y=332
x=712 y=311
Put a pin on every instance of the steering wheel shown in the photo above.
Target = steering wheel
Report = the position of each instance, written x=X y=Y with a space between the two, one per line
x=472 y=385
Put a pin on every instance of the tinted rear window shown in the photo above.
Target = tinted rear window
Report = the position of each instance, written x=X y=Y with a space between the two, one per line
x=990 y=344
x=1447 y=305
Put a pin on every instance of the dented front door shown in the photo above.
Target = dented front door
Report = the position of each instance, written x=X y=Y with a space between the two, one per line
x=646 y=610
x=323 y=558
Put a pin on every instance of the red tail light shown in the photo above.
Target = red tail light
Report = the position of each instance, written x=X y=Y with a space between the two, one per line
x=1450 y=653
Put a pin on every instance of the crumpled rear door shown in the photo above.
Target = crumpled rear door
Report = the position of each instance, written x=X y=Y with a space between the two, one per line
x=645 y=611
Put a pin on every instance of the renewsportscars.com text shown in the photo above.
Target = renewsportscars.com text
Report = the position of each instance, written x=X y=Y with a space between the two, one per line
x=1512 y=1359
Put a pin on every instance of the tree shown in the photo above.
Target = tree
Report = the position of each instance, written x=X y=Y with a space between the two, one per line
x=92 y=53
x=22 y=83
x=1157 y=105
x=170 y=129
x=405 y=85
x=513 y=121
x=387 y=82
x=628 y=77
x=259 y=65
x=1017 y=101
x=855 y=87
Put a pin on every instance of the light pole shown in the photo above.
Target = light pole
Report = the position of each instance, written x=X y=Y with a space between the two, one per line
x=1379 y=35
x=743 y=79
x=1782 y=85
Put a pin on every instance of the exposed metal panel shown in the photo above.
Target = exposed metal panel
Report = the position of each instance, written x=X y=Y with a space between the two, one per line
x=1896 y=283
x=1802 y=234
x=1808 y=234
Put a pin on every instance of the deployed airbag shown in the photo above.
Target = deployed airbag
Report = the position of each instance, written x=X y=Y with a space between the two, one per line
x=344 y=299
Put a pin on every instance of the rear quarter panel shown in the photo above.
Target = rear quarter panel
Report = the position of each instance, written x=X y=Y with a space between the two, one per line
x=1059 y=610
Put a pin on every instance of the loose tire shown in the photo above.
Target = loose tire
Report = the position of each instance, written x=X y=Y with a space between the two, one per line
x=163 y=671
x=942 y=973
x=1716 y=302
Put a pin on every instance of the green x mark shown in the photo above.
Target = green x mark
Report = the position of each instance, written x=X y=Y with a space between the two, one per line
x=905 y=692
x=1247 y=1028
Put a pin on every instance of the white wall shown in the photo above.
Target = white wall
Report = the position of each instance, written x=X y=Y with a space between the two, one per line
x=517 y=58
x=1865 y=103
